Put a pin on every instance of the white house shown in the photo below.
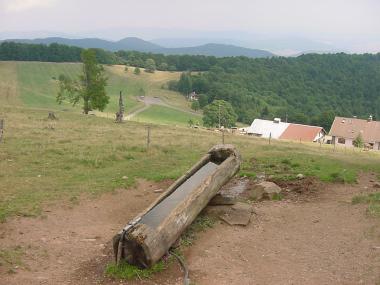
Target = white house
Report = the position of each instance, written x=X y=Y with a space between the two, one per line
x=266 y=129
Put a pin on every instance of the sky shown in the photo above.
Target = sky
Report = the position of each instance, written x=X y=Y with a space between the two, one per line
x=352 y=25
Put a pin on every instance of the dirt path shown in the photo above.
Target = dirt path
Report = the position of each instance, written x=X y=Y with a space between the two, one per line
x=149 y=101
x=318 y=239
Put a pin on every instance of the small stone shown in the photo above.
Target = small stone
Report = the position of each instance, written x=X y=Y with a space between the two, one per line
x=125 y=177
x=300 y=176
x=39 y=175
x=158 y=191
x=265 y=190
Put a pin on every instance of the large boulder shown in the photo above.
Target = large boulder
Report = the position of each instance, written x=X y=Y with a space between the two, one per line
x=265 y=190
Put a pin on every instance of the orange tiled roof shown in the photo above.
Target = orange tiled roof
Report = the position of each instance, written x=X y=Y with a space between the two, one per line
x=301 y=132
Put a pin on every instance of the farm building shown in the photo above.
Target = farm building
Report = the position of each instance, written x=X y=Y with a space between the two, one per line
x=345 y=130
x=266 y=128
x=303 y=133
x=287 y=131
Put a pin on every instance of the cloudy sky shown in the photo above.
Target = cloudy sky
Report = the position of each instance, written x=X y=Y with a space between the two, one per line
x=344 y=24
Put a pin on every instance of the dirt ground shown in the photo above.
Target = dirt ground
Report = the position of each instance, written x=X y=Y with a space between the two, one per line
x=311 y=237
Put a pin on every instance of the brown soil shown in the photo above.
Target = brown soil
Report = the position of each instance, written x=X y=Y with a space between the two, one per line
x=320 y=239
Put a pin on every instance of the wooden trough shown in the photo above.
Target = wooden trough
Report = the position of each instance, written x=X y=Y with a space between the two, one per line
x=146 y=238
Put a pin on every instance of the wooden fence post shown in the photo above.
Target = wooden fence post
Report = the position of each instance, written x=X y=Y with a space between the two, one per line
x=148 y=137
x=1 y=129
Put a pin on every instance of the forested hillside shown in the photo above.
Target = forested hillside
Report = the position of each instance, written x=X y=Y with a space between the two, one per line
x=308 y=89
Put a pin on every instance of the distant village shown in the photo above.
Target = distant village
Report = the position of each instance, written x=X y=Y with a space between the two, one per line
x=348 y=132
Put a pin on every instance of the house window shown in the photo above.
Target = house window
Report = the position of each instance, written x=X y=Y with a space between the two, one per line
x=341 y=140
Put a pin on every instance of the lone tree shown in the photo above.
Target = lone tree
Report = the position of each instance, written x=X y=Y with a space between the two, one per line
x=150 y=65
x=90 y=87
x=219 y=113
x=185 y=85
x=195 y=106
x=137 y=70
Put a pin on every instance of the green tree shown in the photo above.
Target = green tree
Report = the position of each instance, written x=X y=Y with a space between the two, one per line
x=150 y=65
x=163 y=66
x=358 y=141
x=90 y=88
x=203 y=100
x=185 y=84
x=219 y=111
x=137 y=70
x=195 y=106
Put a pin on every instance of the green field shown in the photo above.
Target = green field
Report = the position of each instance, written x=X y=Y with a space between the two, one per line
x=43 y=162
x=167 y=116
x=34 y=84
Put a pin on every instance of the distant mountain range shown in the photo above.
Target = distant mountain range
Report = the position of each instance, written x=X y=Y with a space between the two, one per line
x=137 y=44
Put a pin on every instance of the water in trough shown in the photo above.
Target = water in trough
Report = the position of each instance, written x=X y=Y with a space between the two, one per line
x=156 y=215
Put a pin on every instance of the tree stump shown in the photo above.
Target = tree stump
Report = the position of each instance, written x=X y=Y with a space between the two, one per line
x=52 y=116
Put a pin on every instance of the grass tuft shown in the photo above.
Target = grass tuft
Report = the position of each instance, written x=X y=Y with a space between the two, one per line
x=128 y=271
x=373 y=201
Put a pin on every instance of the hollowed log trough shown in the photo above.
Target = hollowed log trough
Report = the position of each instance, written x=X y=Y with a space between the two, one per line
x=145 y=239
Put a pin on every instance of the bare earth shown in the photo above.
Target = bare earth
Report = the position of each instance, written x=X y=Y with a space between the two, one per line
x=312 y=238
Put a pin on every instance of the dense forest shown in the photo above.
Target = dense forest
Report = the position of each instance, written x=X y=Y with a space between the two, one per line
x=309 y=89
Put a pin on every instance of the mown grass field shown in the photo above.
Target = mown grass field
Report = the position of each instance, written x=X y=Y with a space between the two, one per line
x=43 y=162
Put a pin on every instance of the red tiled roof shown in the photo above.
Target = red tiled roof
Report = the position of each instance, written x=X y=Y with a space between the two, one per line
x=350 y=128
x=301 y=132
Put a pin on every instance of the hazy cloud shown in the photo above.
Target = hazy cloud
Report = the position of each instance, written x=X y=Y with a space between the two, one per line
x=332 y=21
x=20 y=5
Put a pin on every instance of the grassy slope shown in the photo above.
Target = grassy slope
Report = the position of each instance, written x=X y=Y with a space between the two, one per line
x=36 y=86
x=165 y=115
x=43 y=162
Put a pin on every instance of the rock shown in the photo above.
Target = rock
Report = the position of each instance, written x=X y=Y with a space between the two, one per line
x=260 y=177
x=265 y=190
x=158 y=191
x=376 y=185
x=239 y=214
x=220 y=199
x=300 y=176
x=125 y=177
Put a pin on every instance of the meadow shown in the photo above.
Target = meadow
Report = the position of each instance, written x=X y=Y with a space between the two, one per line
x=43 y=162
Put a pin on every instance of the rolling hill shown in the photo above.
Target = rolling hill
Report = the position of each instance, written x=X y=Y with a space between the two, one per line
x=34 y=85
x=137 y=44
